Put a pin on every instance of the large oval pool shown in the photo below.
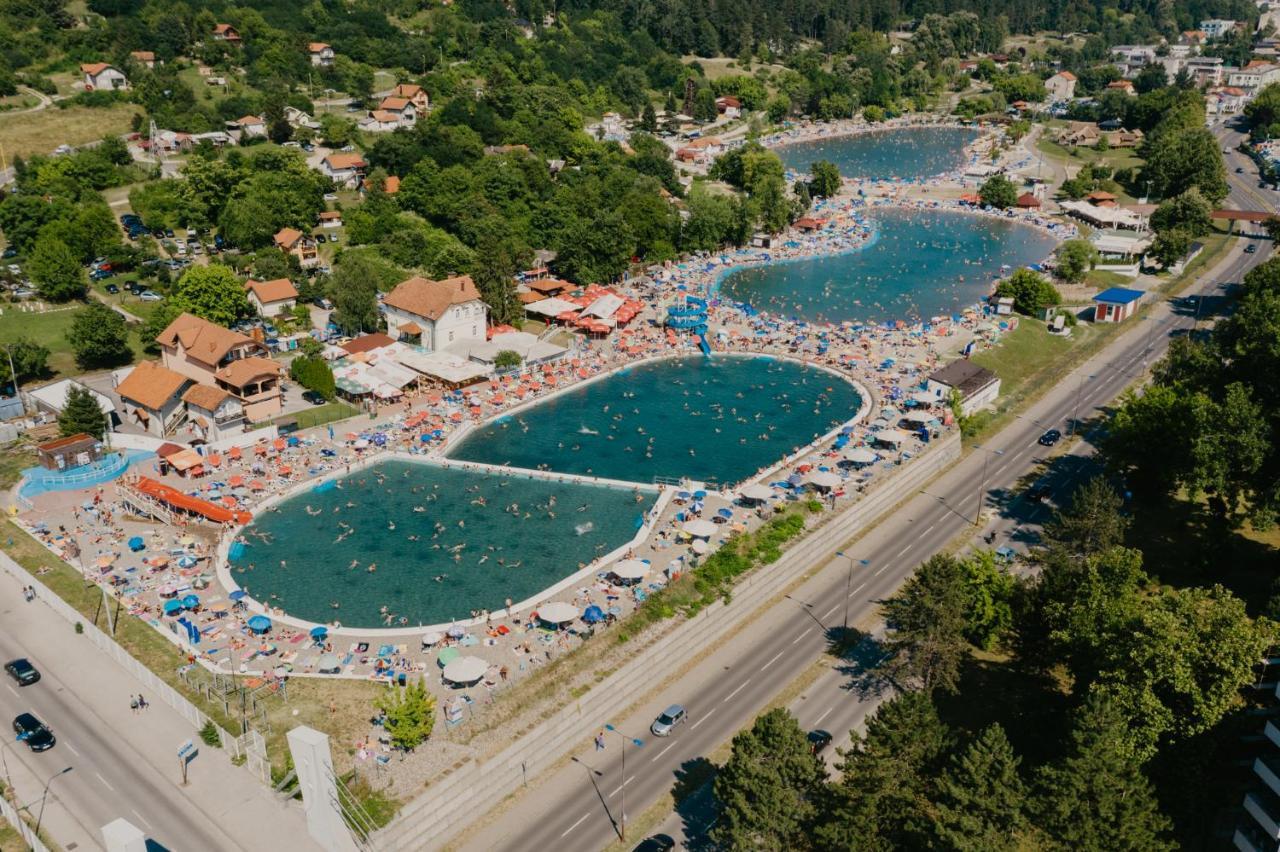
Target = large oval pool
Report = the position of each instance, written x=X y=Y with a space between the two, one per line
x=441 y=543
x=712 y=419
x=908 y=153
x=919 y=264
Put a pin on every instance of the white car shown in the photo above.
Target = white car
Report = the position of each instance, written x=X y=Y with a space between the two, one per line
x=150 y=296
x=668 y=720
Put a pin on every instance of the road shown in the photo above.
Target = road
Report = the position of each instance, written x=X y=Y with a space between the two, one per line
x=579 y=807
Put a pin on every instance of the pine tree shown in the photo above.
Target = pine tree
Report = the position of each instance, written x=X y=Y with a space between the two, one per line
x=982 y=802
x=81 y=414
x=649 y=119
x=1097 y=798
x=410 y=714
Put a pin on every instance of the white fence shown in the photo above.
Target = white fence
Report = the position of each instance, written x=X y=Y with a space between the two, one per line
x=127 y=441
x=465 y=795
x=15 y=820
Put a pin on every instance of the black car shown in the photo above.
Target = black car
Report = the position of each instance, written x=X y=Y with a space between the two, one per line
x=112 y=289
x=168 y=232
x=1048 y=439
x=35 y=733
x=1038 y=493
x=1250 y=249
x=818 y=741
x=1239 y=170
x=22 y=671
x=656 y=843
x=313 y=397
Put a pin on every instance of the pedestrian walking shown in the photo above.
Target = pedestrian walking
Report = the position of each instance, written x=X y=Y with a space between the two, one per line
x=600 y=741
x=133 y=705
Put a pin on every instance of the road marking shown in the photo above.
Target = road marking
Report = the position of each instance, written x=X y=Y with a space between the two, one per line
x=11 y=689
x=566 y=831
x=904 y=549
x=661 y=753
x=620 y=786
x=703 y=719
x=104 y=783
x=772 y=661
x=818 y=721
x=801 y=636
x=855 y=591
x=880 y=570
x=70 y=746
x=141 y=818
x=739 y=689
x=833 y=609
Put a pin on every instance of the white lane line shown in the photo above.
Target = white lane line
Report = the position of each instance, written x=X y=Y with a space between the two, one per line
x=801 y=636
x=70 y=746
x=11 y=689
x=904 y=549
x=703 y=719
x=818 y=721
x=620 y=786
x=575 y=825
x=729 y=697
x=882 y=568
x=661 y=753
x=104 y=783
x=833 y=609
x=855 y=591
x=771 y=661
x=141 y=818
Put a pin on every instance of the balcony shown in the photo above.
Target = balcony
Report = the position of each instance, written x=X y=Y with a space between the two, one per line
x=1273 y=733
x=1248 y=838
x=1264 y=807
x=1267 y=767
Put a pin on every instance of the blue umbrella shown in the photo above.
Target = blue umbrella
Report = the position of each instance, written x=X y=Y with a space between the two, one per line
x=699 y=495
x=725 y=513
x=237 y=595
x=190 y=602
x=259 y=624
x=186 y=561
x=319 y=631
x=136 y=543
x=593 y=614
x=170 y=607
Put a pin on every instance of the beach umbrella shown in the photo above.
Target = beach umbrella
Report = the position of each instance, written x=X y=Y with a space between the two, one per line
x=455 y=631
x=171 y=607
x=186 y=561
x=319 y=631
x=447 y=655
x=328 y=663
x=259 y=624
x=168 y=590
x=699 y=546
x=432 y=638
x=465 y=670
x=757 y=492
x=593 y=614
x=824 y=479
x=557 y=612
x=700 y=528
x=860 y=455
x=630 y=569
x=105 y=560
x=725 y=513
x=699 y=495
x=136 y=543
x=190 y=602
x=238 y=595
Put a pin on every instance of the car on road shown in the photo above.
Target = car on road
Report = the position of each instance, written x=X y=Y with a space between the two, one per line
x=150 y=296
x=818 y=741
x=1250 y=249
x=668 y=720
x=1048 y=439
x=35 y=733
x=1039 y=493
x=22 y=671
x=100 y=274
x=313 y=397
x=113 y=289
x=656 y=843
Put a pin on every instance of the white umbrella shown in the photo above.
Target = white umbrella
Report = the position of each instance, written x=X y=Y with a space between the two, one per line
x=432 y=638
x=758 y=492
x=699 y=546
x=918 y=417
x=824 y=479
x=923 y=398
x=892 y=436
x=557 y=612
x=465 y=670
x=700 y=528
x=630 y=569
x=860 y=455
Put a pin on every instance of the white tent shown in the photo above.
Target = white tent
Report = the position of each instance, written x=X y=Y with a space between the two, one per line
x=604 y=307
x=630 y=569
x=700 y=528
x=557 y=612
x=919 y=417
x=824 y=479
x=758 y=491
x=432 y=638
x=923 y=398
x=552 y=307
x=465 y=670
x=860 y=455
x=892 y=436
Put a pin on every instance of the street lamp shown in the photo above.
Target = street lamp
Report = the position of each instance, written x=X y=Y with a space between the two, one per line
x=638 y=744
x=982 y=484
x=13 y=374
x=45 y=795
x=1075 y=412
x=849 y=582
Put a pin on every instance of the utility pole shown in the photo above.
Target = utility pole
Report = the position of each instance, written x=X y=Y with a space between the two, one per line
x=848 y=582
x=982 y=484
x=638 y=744
x=17 y=390
x=45 y=795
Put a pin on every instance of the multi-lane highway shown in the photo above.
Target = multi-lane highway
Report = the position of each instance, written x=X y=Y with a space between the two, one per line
x=580 y=806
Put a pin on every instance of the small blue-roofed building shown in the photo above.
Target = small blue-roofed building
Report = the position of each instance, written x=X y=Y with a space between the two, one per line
x=1116 y=304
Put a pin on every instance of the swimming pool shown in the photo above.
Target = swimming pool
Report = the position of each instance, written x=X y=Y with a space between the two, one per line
x=442 y=542
x=919 y=264
x=906 y=153
x=712 y=419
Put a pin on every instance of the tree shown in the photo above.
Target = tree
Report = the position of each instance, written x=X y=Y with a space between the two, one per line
x=1096 y=798
x=999 y=192
x=54 y=269
x=409 y=714
x=81 y=413
x=314 y=374
x=1031 y=292
x=494 y=276
x=1182 y=159
x=1091 y=523
x=983 y=800
x=767 y=789
x=1170 y=247
x=354 y=291
x=1075 y=259
x=1190 y=212
x=990 y=590
x=926 y=620
x=212 y=292
x=649 y=119
x=29 y=359
x=507 y=360
x=99 y=337
x=825 y=181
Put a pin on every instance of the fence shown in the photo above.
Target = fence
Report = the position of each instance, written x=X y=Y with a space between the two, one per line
x=15 y=820
x=464 y=796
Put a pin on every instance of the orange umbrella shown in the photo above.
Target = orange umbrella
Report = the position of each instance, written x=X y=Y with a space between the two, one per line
x=456 y=416
x=233 y=453
x=215 y=459
x=278 y=443
x=228 y=501
x=258 y=485
x=285 y=470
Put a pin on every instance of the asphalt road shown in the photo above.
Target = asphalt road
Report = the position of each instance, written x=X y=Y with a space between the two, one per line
x=580 y=807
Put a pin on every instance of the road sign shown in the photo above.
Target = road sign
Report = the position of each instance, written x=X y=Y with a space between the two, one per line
x=186 y=748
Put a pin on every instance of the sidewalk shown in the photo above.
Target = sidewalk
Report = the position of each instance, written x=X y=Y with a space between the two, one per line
x=85 y=697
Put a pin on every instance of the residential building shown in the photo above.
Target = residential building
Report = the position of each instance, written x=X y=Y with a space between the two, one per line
x=1116 y=304
x=103 y=77
x=610 y=128
x=146 y=58
x=52 y=398
x=415 y=94
x=1125 y=86
x=297 y=118
x=1124 y=138
x=978 y=387
x=227 y=33
x=212 y=412
x=344 y=169
x=1061 y=86
x=321 y=54
x=1132 y=58
x=1254 y=76
x=1193 y=38
x=1225 y=100
x=391 y=185
x=152 y=397
x=1217 y=27
x=729 y=106
x=402 y=108
x=271 y=298
x=380 y=121
x=300 y=245
x=249 y=125
x=1205 y=70
x=331 y=219
x=436 y=313
x=256 y=383
x=219 y=357
x=1078 y=134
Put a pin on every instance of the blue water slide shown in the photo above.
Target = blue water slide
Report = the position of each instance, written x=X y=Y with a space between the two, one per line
x=702 y=343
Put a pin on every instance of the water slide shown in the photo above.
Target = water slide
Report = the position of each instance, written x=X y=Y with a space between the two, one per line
x=173 y=497
x=690 y=314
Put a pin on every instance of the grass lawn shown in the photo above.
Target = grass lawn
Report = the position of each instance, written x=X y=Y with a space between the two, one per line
x=322 y=414
x=50 y=329
x=1117 y=158
x=1102 y=279
x=41 y=132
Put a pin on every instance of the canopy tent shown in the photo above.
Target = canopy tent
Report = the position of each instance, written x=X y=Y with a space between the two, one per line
x=465 y=670
x=824 y=479
x=328 y=664
x=593 y=614
x=630 y=569
x=699 y=546
x=444 y=366
x=557 y=612
x=860 y=455
x=700 y=528
x=758 y=492
x=432 y=638
x=924 y=398
x=893 y=437
x=920 y=417
x=259 y=624
x=604 y=307
x=550 y=307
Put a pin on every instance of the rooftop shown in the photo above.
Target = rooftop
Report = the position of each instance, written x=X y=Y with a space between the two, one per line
x=1119 y=296
x=277 y=290
x=965 y=376
x=204 y=341
x=151 y=385
x=426 y=298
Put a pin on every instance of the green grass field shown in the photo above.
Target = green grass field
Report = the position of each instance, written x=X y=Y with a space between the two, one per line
x=50 y=329
x=40 y=132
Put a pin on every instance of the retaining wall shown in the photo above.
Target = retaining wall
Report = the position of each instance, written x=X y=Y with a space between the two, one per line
x=452 y=803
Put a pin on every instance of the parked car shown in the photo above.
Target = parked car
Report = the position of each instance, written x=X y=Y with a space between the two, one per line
x=22 y=671
x=168 y=232
x=10 y=252
x=668 y=720
x=113 y=289
x=818 y=741
x=313 y=398
x=150 y=296
x=1048 y=439
x=655 y=843
x=99 y=274
x=36 y=733
x=1250 y=249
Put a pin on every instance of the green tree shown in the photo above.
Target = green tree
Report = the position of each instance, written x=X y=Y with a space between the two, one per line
x=825 y=179
x=81 y=413
x=649 y=119
x=1031 y=292
x=354 y=291
x=212 y=292
x=1092 y=522
x=494 y=275
x=409 y=714
x=55 y=271
x=1182 y=159
x=30 y=360
x=1075 y=259
x=1189 y=212
x=99 y=337
x=927 y=620
x=767 y=789
x=982 y=799
x=314 y=374
x=990 y=590
x=999 y=192
x=507 y=360
x=1170 y=247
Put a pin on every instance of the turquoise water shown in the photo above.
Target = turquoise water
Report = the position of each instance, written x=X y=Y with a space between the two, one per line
x=907 y=154
x=527 y=535
x=716 y=419
x=920 y=264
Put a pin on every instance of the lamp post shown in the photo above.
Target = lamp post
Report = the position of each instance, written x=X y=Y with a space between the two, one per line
x=13 y=374
x=982 y=484
x=1075 y=411
x=45 y=795
x=848 y=583
x=638 y=744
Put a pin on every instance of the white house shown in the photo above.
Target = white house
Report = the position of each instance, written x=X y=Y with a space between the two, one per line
x=1133 y=57
x=1254 y=76
x=978 y=387
x=146 y=58
x=1216 y=27
x=416 y=95
x=402 y=108
x=344 y=169
x=321 y=54
x=436 y=313
x=213 y=413
x=101 y=76
x=297 y=118
x=271 y=298
x=380 y=121
x=1225 y=100
x=1061 y=86
x=152 y=397
x=249 y=125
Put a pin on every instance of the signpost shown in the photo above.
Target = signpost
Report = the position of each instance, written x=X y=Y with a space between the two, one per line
x=186 y=753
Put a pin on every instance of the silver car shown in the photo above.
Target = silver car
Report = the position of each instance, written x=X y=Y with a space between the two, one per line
x=668 y=720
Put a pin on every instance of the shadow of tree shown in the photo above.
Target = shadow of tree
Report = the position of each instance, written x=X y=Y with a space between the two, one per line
x=860 y=655
x=695 y=801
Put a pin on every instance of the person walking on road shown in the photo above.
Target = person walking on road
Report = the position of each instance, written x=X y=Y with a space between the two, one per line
x=600 y=741
x=133 y=705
